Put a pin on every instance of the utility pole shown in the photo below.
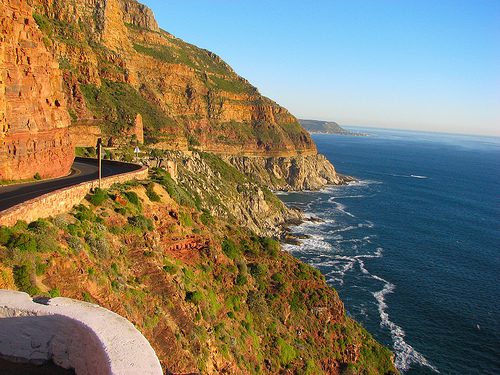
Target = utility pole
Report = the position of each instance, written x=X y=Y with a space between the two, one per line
x=99 y=148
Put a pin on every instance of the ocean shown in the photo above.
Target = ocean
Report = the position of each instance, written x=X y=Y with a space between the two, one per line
x=413 y=247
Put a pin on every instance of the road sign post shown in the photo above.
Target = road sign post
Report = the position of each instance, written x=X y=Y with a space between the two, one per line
x=99 y=148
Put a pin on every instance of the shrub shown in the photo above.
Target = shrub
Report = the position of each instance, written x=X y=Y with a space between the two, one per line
x=24 y=242
x=287 y=351
x=46 y=243
x=258 y=270
x=141 y=222
x=277 y=277
x=152 y=195
x=206 y=217
x=121 y=211
x=38 y=226
x=229 y=248
x=22 y=279
x=270 y=246
x=75 y=244
x=132 y=197
x=255 y=301
x=241 y=280
x=194 y=297
x=169 y=268
x=98 y=245
x=99 y=197
x=37 y=176
x=5 y=234
x=185 y=219
x=297 y=300
x=84 y=213
x=233 y=302
x=60 y=221
x=73 y=229
x=177 y=193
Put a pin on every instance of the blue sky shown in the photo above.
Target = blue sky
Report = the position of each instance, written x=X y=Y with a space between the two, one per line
x=425 y=65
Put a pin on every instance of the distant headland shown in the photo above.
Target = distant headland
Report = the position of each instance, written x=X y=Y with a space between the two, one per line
x=324 y=127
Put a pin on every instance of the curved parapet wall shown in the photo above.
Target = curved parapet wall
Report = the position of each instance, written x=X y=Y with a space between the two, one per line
x=73 y=334
x=62 y=200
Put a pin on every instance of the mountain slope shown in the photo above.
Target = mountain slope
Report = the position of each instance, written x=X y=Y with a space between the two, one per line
x=118 y=63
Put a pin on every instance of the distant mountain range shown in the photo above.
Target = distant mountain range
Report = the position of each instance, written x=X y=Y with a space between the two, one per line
x=324 y=127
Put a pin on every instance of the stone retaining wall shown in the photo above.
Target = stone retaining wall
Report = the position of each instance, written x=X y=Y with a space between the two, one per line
x=74 y=334
x=61 y=201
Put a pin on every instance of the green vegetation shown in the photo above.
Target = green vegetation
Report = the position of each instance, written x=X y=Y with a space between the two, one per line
x=233 y=85
x=229 y=248
x=186 y=54
x=98 y=197
x=22 y=278
x=177 y=193
x=118 y=103
x=234 y=289
x=152 y=195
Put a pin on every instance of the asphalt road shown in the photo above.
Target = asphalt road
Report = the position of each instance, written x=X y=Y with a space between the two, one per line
x=80 y=172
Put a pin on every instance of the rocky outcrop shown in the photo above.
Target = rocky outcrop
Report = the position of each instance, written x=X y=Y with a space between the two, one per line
x=34 y=137
x=311 y=172
x=227 y=193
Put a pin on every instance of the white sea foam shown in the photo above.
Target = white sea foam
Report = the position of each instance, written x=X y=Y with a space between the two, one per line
x=406 y=355
x=345 y=229
x=362 y=267
x=417 y=176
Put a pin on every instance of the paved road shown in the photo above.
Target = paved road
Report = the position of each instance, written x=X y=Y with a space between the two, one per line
x=80 y=172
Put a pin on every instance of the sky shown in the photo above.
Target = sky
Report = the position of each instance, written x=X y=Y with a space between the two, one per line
x=419 y=64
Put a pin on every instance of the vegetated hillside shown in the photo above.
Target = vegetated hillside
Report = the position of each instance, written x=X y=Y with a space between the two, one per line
x=324 y=127
x=117 y=63
x=210 y=296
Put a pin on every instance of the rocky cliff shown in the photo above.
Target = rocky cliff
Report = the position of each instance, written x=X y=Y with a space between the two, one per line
x=297 y=173
x=34 y=136
x=117 y=63
x=231 y=194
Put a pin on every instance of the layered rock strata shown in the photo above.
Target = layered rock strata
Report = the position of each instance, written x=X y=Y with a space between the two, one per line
x=34 y=137
x=118 y=63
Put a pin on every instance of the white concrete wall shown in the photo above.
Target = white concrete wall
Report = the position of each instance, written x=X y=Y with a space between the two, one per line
x=74 y=334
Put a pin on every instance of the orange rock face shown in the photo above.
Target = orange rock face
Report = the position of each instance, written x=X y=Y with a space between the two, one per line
x=34 y=120
x=208 y=105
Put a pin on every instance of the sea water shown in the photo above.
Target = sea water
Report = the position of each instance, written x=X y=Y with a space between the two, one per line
x=413 y=247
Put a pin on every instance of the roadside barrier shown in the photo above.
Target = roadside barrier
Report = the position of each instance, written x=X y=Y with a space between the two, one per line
x=62 y=200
